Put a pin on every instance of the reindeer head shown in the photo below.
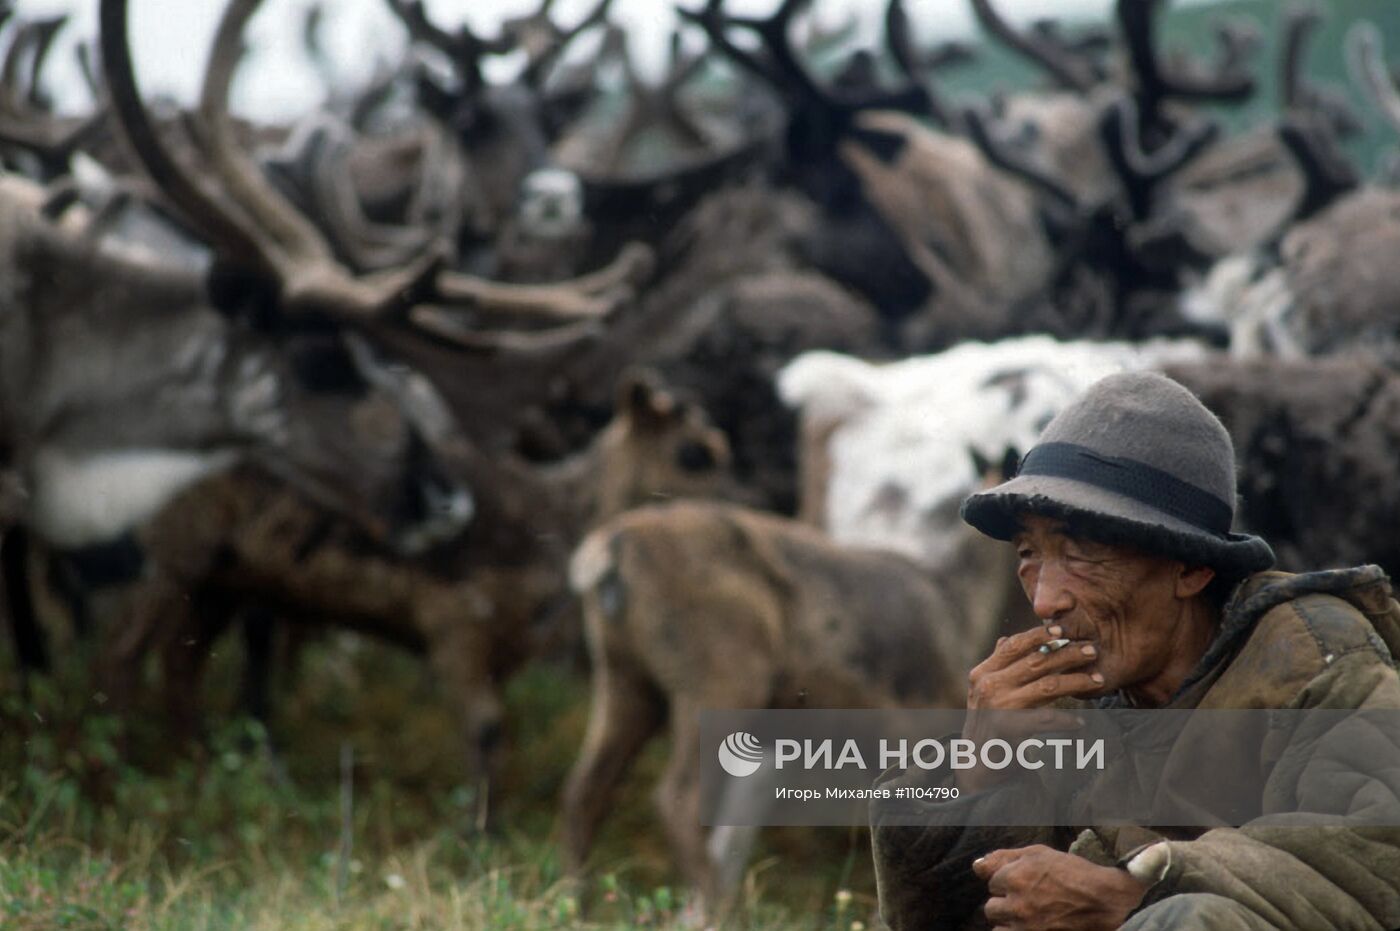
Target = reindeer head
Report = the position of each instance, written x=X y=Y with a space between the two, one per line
x=658 y=447
x=365 y=437
x=505 y=129
x=551 y=204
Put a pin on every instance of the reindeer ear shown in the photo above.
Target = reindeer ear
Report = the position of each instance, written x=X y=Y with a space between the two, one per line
x=980 y=463
x=641 y=397
x=1010 y=463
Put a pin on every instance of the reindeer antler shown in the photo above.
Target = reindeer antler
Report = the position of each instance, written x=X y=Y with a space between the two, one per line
x=203 y=208
x=1226 y=81
x=711 y=19
x=1366 y=59
x=1069 y=67
x=25 y=121
x=782 y=68
x=465 y=50
x=1298 y=92
x=545 y=41
x=823 y=40
x=1141 y=171
x=979 y=122
x=305 y=268
x=1327 y=173
x=45 y=31
x=248 y=221
x=315 y=156
x=656 y=105
x=914 y=65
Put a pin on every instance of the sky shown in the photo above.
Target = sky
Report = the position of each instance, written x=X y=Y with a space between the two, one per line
x=276 y=82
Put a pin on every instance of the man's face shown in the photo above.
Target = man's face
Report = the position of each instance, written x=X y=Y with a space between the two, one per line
x=1125 y=603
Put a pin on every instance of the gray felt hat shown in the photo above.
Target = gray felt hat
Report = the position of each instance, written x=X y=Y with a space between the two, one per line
x=1136 y=460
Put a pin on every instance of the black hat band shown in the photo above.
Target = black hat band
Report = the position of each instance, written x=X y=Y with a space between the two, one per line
x=1132 y=479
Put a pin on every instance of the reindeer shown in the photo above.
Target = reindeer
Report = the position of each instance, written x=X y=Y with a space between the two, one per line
x=884 y=455
x=32 y=137
x=1325 y=283
x=505 y=130
x=121 y=386
x=696 y=606
x=274 y=266
x=1134 y=184
x=909 y=217
x=241 y=356
x=1314 y=441
x=477 y=611
x=707 y=605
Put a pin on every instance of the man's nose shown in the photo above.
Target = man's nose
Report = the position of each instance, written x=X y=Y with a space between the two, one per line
x=1052 y=597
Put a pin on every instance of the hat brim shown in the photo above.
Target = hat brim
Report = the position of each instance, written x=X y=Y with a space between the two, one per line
x=1112 y=518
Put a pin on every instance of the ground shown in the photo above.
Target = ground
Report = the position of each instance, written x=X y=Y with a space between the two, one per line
x=104 y=825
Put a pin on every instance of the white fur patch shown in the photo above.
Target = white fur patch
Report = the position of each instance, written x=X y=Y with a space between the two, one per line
x=590 y=561
x=1253 y=301
x=901 y=459
x=828 y=387
x=81 y=499
x=551 y=203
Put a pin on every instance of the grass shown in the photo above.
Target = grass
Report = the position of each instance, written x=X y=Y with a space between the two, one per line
x=104 y=824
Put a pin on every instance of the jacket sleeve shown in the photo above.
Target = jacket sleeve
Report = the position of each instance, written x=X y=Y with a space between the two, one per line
x=1300 y=868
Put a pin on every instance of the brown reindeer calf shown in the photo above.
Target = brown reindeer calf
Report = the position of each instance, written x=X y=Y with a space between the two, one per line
x=243 y=538
x=702 y=605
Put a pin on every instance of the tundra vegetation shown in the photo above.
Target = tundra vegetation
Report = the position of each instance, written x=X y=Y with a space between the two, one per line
x=375 y=486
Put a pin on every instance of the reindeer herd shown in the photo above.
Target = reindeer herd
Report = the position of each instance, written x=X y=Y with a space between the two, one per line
x=434 y=363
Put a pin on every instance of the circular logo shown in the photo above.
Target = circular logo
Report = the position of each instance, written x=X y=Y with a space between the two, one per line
x=740 y=754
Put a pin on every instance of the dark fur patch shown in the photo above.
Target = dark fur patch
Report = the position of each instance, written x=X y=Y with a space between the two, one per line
x=612 y=591
x=114 y=562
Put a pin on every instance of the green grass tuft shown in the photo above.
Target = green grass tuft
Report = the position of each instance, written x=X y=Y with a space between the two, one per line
x=105 y=824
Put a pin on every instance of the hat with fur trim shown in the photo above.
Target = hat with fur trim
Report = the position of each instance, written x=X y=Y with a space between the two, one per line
x=1136 y=461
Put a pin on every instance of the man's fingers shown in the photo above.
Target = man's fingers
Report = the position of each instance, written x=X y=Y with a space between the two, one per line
x=1010 y=649
x=999 y=912
x=1033 y=664
x=993 y=689
x=999 y=883
x=987 y=865
x=1057 y=685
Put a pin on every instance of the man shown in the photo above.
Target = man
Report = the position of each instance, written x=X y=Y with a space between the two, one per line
x=1121 y=517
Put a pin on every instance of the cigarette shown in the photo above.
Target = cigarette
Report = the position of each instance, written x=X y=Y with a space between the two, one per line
x=1054 y=645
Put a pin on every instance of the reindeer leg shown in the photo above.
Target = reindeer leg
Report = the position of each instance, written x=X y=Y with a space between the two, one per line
x=625 y=713
x=153 y=607
x=677 y=802
x=258 y=627
x=459 y=652
x=730 y=846
x=678 y=799
x=28 y=637
x=185 y=655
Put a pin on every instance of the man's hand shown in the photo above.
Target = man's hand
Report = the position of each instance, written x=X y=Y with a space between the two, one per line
x=1017 y=677
x=1041 y=889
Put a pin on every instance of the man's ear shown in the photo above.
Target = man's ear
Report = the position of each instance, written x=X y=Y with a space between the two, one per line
x=1193 y=580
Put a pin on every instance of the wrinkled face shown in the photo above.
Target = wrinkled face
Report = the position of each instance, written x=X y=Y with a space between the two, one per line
x=1122 y=601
